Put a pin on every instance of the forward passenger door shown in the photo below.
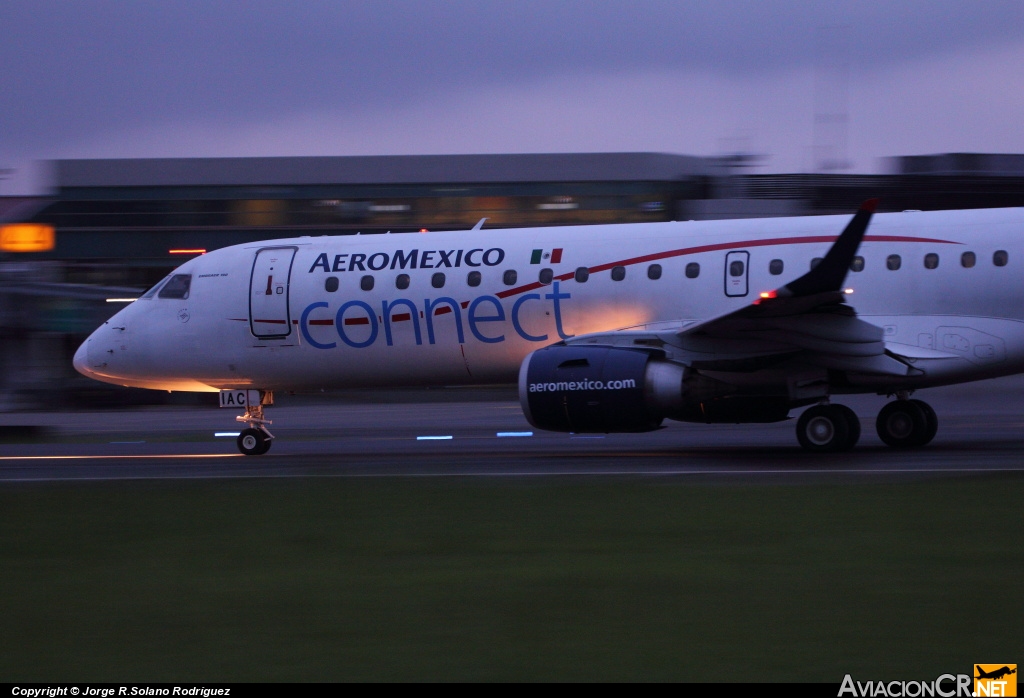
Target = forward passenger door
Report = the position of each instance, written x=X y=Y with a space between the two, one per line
x=269 y=316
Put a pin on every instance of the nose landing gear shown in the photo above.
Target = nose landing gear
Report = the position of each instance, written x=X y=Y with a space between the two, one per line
x=254 y=442
x=256 y=439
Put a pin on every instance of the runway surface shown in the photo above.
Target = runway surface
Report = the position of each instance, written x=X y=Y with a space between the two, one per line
x=981 y=431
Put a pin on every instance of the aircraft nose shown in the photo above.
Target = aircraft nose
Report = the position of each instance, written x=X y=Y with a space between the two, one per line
x=80 y=361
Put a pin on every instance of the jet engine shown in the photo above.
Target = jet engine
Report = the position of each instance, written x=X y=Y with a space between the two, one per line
x=609 y=389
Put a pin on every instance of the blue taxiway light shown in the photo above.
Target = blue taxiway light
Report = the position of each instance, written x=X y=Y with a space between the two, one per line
x=226 y=433
x=433 y=438
x=515 y=433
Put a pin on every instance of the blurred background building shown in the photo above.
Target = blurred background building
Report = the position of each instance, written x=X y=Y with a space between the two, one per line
x=112 y=228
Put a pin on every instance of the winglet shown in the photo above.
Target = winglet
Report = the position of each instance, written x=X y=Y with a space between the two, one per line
x=830 y=273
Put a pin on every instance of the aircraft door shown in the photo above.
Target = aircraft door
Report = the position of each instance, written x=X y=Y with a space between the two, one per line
x=737 y=269
x=269 y=316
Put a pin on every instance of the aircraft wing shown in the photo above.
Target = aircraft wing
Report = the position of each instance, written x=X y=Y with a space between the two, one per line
x=821 y=329
x=807 y=319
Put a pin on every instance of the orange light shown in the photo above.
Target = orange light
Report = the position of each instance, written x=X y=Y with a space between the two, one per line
x=27 y=237
x=196 y=251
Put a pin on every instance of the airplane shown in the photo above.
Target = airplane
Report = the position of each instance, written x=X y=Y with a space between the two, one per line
x=605 y=328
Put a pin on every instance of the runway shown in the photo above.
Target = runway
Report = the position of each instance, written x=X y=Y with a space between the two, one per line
x=981 y=431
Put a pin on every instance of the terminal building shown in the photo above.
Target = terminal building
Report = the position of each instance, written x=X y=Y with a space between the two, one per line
x=112 y=228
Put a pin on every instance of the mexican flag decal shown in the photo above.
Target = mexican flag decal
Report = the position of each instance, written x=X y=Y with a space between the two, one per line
x=554 y=256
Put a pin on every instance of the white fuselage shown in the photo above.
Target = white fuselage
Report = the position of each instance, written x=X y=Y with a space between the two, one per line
x=268 y=315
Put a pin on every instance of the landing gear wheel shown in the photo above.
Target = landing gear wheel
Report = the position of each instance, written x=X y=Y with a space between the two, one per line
x=853 y=422
x=828 y=429
x=931 y=418
x=905 y=424
x=253 y=442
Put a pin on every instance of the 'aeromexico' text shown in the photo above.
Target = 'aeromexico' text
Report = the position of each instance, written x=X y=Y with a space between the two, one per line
x=411 y=259
x=563 y=386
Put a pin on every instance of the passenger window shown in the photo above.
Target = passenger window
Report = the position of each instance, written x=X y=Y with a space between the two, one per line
x=582 y=274
x=893 y=262
x=331 y=284
x=437 y=280
x=815 y=262
x=692 y=270
x=1000 y=258
x=545 y=276
x=931 y=260
x=736 y=268
x=618 y=273
x=654 y=272
x=402 y=282
x=967 y=260
x=366 y=283
x=473 y=279
x=177 y=287
x=775 y=267
x=509 y=277
x=857 y=263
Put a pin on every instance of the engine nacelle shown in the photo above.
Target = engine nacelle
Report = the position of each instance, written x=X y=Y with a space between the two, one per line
x=598 y=389
x=609 y=389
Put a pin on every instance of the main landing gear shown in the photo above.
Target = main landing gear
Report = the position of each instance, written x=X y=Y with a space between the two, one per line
x=828 y=429
x=255 y=440
x=907 y=423
x=903 y=423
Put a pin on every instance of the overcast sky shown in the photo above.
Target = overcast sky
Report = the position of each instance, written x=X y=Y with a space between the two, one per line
x=185 y=79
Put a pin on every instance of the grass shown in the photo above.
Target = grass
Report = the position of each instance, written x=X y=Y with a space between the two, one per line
x=616 y=579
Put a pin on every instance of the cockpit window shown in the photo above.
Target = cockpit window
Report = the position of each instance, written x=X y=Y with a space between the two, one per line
x=148 y=295
x=176 y=287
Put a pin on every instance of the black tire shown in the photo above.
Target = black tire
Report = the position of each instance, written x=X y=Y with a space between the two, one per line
x=903 y=424
x=931 y=418
x=253 y=442
x=853 y=421
x=824 y=429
